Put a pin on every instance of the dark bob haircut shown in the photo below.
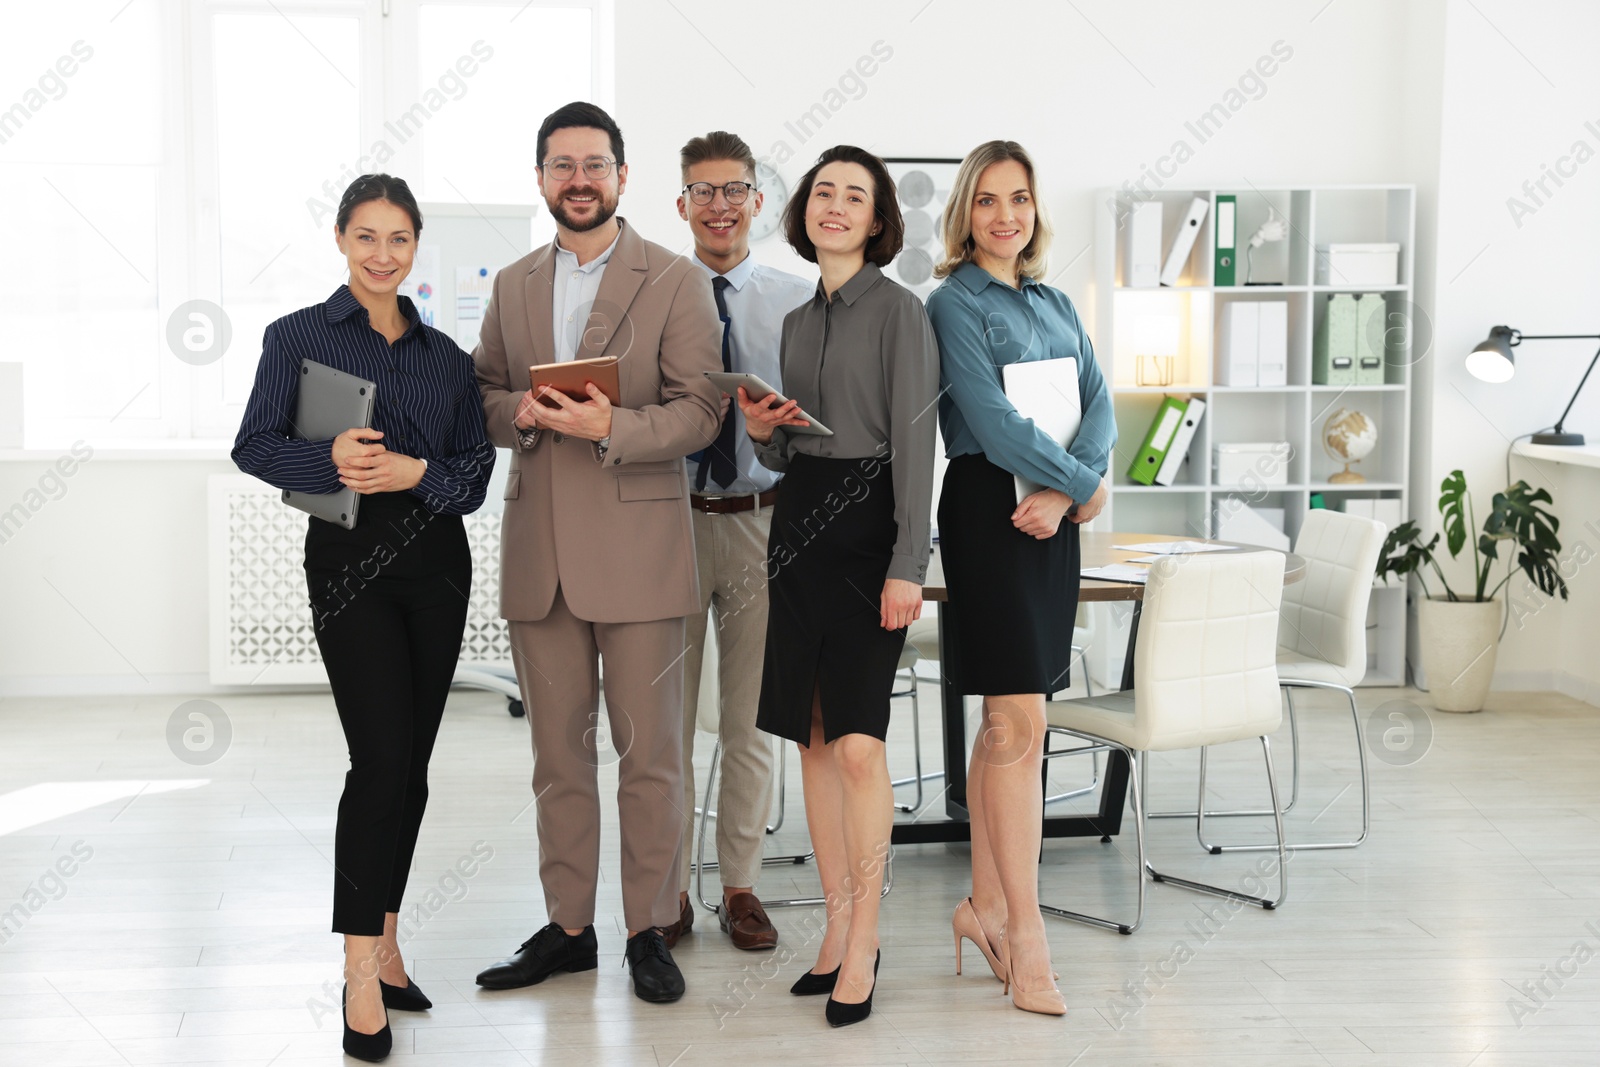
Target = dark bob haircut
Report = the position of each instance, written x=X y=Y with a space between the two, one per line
x=379 y=187
x=881 y=249
x=580 y=113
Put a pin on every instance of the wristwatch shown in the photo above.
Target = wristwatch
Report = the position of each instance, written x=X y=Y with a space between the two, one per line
x=603 y=444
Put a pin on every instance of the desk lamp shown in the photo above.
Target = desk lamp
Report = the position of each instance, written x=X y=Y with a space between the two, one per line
x=1493 y=361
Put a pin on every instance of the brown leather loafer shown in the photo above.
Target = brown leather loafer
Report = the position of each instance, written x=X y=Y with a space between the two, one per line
x=684 y=924
x=744 y=920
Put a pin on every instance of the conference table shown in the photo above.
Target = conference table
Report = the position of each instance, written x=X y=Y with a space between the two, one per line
x=1098 y=549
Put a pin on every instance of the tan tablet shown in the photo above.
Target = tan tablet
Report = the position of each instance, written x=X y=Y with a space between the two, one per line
x=573 y=377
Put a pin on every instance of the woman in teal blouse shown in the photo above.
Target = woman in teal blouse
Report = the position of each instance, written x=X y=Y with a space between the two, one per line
x=1011 y=568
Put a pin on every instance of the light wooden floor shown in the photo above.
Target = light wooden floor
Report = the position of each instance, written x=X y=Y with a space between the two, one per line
x=196 y=932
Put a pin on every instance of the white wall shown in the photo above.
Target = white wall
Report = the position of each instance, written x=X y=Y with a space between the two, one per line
x=1096 y=97
x=1519 y=87
x=1373 y=91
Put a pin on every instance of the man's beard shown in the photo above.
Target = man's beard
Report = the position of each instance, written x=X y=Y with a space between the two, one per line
x=602 y=215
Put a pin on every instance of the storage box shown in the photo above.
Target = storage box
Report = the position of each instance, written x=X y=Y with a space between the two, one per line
x=1333 y=349
x=1251 y=463
x=1384 y=509
x=1371 y=331
x=1351 y=264
x=1251 y=525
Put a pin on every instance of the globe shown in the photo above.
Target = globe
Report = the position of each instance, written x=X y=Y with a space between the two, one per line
x=1349 y=437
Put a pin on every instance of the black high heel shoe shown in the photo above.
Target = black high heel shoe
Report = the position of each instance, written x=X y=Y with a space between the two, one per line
x=404 y=998
x=374 y=1048
x=811 y=984
x=845 y=1014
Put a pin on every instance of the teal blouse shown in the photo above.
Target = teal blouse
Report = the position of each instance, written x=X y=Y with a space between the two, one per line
x=981 y=325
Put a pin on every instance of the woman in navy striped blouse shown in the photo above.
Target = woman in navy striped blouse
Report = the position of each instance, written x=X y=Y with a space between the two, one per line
x=389 y=598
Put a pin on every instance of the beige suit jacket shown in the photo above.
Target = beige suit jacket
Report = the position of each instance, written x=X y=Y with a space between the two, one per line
x=612 y=532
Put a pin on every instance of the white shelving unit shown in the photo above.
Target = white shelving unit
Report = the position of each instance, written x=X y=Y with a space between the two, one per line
x=1317 y=215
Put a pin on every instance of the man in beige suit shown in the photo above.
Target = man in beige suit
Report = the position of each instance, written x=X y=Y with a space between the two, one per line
x=596 y=552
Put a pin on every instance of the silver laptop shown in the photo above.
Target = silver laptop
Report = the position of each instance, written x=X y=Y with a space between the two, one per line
x=330 y=403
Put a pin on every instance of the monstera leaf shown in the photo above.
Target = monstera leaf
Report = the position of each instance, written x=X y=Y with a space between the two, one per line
x=1453 y=502
x=1517 y=516
x=1403 y=554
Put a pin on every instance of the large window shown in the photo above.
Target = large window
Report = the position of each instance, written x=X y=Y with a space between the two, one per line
x=163 y=158
x=80 y=168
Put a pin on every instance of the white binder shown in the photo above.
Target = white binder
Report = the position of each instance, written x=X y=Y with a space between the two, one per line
x=1272 y=348
x=1144 y=245
x=1240 y=335
x=1181 y=441
x=1045 y=391
x=1183 y=243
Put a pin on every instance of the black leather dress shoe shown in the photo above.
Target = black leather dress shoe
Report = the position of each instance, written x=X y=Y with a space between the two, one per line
x=547 y=952
x=404 y=998
x=655 y=977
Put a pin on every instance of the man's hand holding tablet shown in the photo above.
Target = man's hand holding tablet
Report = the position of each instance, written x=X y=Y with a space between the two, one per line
x=764 y=408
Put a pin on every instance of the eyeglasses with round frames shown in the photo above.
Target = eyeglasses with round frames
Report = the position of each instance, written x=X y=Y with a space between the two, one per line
x=562 y=168
x=735 y=193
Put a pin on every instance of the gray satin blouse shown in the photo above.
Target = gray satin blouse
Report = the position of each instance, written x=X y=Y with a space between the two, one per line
x=867 y=365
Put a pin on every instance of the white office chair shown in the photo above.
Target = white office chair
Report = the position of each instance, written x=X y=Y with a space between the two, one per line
x=1081 y=637
x=708 y=715
x=1205 y=673
x=906 y=677
x=922 y=643
x=1322 y=639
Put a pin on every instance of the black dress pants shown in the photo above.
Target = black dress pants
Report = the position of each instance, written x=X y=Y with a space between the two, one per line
x=389 y=605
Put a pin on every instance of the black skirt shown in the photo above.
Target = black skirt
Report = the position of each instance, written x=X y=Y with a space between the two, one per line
x=1012 y=597
x=833 y=534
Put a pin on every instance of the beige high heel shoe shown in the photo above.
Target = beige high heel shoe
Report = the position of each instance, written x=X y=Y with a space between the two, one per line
x=1042 y=1001
x=965 y=924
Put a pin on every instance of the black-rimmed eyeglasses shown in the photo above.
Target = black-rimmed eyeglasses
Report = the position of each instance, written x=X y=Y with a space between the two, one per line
x=702 y=193
x=562 y=168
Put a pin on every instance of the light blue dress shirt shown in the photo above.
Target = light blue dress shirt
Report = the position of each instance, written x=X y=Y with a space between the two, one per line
x=574 y=288
x=982 y=324
x=758 y=297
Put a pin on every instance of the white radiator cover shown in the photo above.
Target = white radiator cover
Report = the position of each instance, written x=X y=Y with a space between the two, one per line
x=260 y=621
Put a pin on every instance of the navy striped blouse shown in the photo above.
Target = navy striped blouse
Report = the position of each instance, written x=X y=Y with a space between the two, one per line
x=427 y=407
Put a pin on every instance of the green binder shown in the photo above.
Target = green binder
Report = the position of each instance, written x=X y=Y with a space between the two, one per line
x=1168 y=418
x=1226 y=228
x=1370 y=333
x=1333 y=350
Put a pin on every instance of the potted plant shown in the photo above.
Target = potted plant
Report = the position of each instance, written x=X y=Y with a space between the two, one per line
x=1459 y=634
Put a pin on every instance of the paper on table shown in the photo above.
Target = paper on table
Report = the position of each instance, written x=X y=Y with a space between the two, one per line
x=1175 y=548
x=1116 y=572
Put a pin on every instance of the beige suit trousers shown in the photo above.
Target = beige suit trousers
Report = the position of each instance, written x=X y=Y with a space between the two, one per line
x=557 y=660
x=731 y=551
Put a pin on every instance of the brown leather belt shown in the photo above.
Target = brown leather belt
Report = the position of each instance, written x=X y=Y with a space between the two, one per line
x=728 y=505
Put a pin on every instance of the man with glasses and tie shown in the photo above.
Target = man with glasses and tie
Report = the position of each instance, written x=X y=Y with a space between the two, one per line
x=597 y=556
x=731 y=498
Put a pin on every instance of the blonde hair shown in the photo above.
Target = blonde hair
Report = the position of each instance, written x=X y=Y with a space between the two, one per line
x=958 y=243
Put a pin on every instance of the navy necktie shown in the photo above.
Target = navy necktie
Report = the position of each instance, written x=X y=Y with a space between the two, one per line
x=717 y=461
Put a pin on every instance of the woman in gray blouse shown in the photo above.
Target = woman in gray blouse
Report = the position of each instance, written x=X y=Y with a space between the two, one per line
x=849 y=545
